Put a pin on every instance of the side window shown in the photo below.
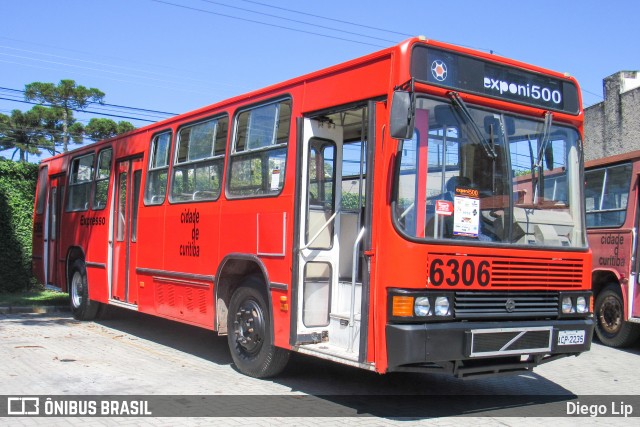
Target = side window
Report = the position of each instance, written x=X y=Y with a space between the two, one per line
x=137 y=177
x=607 y=195
x=156 y=188
x=80 y=178
x=101 y=183
x=353 y=164
x=199 y=161
x=41 y=192
x=258 y=159
x=321 y=198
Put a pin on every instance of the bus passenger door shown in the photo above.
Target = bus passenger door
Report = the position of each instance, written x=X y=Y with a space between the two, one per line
x=124 y=287
x=56 y=187
x=326 y=302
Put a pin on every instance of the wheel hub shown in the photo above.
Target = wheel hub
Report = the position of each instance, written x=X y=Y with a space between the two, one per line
x=610 y=315
x=76 y=290
x=249 y=326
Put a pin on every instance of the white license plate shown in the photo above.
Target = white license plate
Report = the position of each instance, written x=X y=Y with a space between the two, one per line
x=571 y=337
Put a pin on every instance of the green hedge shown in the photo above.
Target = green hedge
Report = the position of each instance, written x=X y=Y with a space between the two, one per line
x=17 y=192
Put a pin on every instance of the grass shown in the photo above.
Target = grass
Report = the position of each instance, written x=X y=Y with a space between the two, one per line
x=35 y=297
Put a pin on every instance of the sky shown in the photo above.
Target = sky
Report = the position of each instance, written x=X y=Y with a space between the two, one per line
x=173 y=56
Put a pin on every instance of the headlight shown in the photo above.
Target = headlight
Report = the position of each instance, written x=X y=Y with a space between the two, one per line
x=567 y=305
x=581 y=305
x=422 y=307
x=408 y=305
x=442 y=306
x=575 y=304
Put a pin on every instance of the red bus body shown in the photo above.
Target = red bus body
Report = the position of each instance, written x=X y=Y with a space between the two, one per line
x=249 y=224
x=612 y=221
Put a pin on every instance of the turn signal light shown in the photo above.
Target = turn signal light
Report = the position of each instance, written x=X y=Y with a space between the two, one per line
x=402 y=306
x=284 y=306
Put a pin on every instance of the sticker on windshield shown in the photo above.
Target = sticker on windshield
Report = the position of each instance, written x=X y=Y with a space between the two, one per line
x=444 y=207
x=466 y=212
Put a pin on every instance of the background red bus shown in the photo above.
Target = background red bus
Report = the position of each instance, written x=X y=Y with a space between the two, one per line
x=301 y=217
x=612 y=220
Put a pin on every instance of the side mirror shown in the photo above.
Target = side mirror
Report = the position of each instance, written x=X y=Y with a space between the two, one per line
x=403 y=113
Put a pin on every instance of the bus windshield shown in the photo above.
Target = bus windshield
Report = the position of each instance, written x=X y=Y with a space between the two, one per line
x=489 y=177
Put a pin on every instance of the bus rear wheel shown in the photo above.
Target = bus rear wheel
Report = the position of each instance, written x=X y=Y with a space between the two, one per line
x=611 y=328
x=250 y=337
x=81 y=306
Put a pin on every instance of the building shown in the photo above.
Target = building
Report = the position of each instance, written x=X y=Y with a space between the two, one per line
x=613 y=126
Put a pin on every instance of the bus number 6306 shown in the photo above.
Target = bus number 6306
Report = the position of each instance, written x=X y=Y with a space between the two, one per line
x=456 y=270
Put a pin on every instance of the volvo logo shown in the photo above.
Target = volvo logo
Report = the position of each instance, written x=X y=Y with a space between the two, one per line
x=510 y=305
x=439 y=70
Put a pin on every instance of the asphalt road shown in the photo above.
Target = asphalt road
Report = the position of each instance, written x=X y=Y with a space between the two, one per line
x=131 y=354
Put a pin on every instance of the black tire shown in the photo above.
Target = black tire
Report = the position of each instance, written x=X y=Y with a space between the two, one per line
x=249 y=336
x=611 y=328
x=81 y=306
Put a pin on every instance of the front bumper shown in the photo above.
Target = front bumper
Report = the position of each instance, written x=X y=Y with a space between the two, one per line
x=475 y=348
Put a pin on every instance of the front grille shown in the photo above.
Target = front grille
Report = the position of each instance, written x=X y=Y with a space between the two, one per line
x=498 y=342
x=470 y=305
x=516 y=272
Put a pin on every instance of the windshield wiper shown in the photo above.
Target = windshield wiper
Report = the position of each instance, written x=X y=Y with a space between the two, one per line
x=457 y=101
x=546 y=136
x=542 y=147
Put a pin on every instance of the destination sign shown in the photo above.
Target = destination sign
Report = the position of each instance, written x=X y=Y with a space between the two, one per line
x=465 y=73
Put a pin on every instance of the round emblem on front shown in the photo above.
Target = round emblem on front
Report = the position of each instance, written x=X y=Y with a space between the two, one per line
x=439 y=70
x=510 y=305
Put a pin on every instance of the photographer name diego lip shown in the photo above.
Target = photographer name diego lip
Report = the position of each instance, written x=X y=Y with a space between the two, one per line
x=615 y=409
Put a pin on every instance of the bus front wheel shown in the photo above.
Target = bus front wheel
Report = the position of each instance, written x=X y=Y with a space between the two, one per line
x=611 y=327
x=81 y=306
x=250 y=337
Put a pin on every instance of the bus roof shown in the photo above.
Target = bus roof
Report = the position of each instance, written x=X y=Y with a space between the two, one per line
x=403 y=53
x=632 y=155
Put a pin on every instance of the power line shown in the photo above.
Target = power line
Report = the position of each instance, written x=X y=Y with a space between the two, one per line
x=93 y=69
x=83 y=111
x=110 y=105
x=299 y=22
x=591 y=93
x=127 y=60
x=46 y=131
x=330 y=19
x=265 y=23
x=96 y=106
x=102 y=64
x=352 y=23
x=104 y=77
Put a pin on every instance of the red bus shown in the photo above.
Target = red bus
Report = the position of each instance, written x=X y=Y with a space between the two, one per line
x=368 y=213
x=612 y=222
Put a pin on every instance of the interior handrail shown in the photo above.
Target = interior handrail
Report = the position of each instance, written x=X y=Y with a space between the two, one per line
x=354 y=272
x=326 y=224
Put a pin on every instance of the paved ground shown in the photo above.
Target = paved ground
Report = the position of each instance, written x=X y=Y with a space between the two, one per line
x=135 y=354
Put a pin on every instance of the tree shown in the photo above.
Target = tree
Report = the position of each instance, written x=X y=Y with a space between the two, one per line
x=124 y=127
x=53 y=128
x=98 y=129
x=28 y=132
x=66 y=96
